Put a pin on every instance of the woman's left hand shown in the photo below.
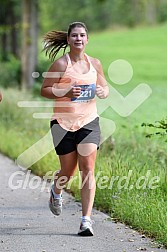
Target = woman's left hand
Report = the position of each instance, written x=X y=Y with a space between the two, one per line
x=100 y=92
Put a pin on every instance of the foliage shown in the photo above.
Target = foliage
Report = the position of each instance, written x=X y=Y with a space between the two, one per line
x=10 y=23
x=42 y=66
x=161 y=125
x=136 y=207
x=142 y=208
x=10 y=72
x=99 y=15
x=162 y=13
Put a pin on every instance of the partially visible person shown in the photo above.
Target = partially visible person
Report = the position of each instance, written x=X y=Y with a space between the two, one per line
x=0 y=96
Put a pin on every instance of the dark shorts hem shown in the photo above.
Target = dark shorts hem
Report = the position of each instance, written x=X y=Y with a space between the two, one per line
x=66 y=141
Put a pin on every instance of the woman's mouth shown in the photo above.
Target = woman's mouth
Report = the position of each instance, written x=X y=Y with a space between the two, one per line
x=78 y=43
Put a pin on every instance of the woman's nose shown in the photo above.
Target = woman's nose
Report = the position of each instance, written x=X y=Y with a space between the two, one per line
x=78 y=37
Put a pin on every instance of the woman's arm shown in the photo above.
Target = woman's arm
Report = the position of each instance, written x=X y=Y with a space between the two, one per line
x=102 y=89
x=52 y=78
x=49 y=87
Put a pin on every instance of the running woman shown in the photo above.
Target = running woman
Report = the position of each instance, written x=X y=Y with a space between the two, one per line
x=73 y=81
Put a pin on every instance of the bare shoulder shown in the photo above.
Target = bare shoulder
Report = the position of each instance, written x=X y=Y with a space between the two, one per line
x=96 y=63
x=59 y=65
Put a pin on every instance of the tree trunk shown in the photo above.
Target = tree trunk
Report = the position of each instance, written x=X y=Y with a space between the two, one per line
x=4 y=36
x=151 y=12
x=4 y=53
x=29 y=42
x=14 y=32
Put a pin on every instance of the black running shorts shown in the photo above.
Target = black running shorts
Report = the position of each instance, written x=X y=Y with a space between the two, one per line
x=67 y=141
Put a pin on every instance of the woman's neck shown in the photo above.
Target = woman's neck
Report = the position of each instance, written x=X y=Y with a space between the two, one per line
x=76 y=56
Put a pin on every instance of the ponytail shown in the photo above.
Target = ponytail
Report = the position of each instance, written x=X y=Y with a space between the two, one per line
x=53 y=42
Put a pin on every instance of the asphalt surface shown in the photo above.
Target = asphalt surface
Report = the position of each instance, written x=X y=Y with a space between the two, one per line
x=27 y=225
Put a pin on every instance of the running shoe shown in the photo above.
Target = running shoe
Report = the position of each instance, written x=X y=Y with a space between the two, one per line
x=55 y=205
x=86 y=228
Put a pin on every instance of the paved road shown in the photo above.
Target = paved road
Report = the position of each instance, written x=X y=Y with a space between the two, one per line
x=27 y=225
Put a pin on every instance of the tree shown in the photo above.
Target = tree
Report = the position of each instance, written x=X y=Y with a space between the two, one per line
x=9 y=29
x=29 y=42
x=151 y=11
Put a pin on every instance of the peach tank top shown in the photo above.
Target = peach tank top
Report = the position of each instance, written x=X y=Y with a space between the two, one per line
x=72 y=113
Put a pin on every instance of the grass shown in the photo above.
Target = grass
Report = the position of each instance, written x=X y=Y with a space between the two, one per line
x=129 y=173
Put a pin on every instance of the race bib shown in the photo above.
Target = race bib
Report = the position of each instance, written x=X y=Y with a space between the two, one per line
x=87 y=93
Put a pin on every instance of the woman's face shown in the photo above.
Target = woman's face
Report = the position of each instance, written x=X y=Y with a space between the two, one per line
x=78 y=38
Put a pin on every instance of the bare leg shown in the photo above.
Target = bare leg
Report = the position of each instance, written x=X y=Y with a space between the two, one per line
x=86 y=166
x=68 y=164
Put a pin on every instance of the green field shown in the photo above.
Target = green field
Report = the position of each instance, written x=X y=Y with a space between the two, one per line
x=140 y=197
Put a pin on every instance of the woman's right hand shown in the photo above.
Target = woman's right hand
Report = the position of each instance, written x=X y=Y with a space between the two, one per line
x=74 y=92
x=70 y=92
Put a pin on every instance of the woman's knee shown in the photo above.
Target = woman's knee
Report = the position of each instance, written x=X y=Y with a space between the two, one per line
x=66 y=176
x=87 y=173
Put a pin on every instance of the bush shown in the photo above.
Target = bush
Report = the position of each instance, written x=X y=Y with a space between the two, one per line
x=36 y=88
x=42 y=67
x=10 y=72
x=160 y=125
